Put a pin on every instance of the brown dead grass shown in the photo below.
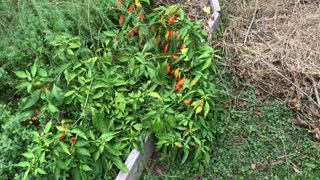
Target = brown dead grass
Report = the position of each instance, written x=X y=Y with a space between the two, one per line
x=275 y=45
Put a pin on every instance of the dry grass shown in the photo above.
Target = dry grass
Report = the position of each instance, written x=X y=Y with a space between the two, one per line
x=275 y=45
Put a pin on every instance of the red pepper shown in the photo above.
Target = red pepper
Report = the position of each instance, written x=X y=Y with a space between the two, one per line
x=63 y=136
x=177 y=88
x=131 y=9
x=73 y=141
x=141 y=17
x=179 y=85
x=168 y=68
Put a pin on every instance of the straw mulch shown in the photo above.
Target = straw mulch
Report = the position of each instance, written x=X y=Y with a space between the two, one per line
x=275 y=46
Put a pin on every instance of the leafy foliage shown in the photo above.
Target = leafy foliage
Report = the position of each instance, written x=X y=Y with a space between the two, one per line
x=259 y=143
x=89 y=98
x=14 y=141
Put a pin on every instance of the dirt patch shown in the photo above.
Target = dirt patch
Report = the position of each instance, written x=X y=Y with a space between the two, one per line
x=275 y=46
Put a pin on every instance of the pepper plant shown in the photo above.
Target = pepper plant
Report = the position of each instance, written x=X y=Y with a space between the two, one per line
x=150 y=74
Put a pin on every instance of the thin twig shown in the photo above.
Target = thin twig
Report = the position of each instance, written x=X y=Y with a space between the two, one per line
x=251 y=23
x=315 y=90
x=83 y=114
x=296 y=86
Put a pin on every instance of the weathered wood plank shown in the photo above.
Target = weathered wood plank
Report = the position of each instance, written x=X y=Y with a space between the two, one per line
x=215 y=16
x=136 y=162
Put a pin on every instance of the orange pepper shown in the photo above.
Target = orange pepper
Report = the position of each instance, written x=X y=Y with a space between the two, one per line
x=179 y=85
x=175 y=57
x=181 y=81
x=171 y=20
x=182 y=47
x=187 y=101
x=166 y=47
x=168 y=68
x=171 y=34
x=121 y=19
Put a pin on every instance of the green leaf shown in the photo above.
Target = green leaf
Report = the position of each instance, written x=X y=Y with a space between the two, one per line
x=65 y=147
x=70 y=52
x=117 y=161
x=185 y=51
x=40 y=171
x=146 y=1
x=185 y=155
x=76 y=173
x=42 y=157
x=83 y=151
x=99 y=95
x=206 y=157
x=181 y=14
x=120 y=101
x=107 y=136
x=52 y=108
x=34 y=69
x=69 y=93
x=29 y=88
x=73 y=45
x=33 y=99
x=81 y=143
x=112 y=150
x=28 y=155
x=96 y=155
x=78 y=132
x=58 y=95
x=98 y=120
x=162 y=73
x=206 y=109
x=42 y=72
x=206 y=64
x=124 y=58
x=86 y=168
x=23 y=164
x=24 y=85
x=197 y=154
x=155 y=94
x=25 y=176
x=21 y=74
x=138 y=126
x=48 y=127
x=197 y=141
